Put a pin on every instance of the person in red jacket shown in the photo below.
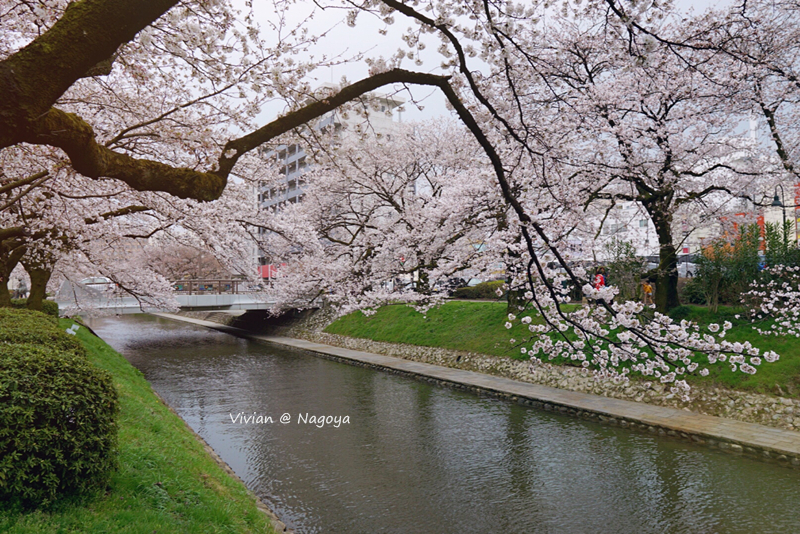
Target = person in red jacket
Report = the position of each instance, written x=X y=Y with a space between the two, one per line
x=600 y=278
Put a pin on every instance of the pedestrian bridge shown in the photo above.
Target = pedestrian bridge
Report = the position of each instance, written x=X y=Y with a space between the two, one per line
x=191 y=295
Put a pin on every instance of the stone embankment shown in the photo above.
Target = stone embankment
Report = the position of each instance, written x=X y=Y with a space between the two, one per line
x=780 y=412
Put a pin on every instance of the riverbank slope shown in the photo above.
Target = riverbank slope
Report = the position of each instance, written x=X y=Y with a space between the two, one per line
x=166 y=482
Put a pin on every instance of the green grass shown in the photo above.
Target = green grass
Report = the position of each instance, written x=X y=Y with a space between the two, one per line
x=470 y=326
x=781 y=377
x=478 y=327
x=166 y=482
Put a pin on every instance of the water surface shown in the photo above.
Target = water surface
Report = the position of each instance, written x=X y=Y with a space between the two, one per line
x=416 y=458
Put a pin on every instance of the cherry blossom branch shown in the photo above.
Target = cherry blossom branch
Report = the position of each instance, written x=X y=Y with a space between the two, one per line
x=43 y=177
x=234 y=149
x=89 y=32
x=23 y=181
x=76 y=137
x=116 y=213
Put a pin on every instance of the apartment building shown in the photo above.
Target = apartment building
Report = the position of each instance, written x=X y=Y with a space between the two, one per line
x=377 y=115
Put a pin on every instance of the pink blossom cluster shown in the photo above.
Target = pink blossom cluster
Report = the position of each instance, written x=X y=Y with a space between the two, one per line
x=776 y=301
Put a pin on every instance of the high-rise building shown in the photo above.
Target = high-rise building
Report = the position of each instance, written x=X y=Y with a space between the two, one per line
x=377 y=117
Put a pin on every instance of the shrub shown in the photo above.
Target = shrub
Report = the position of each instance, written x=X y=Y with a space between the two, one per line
x=58 y=424
x=693 y=293
x=23 y=315
x=484 y=290
x=50 y=307
x=28 y=326
x=624 y=268
x=679 y=313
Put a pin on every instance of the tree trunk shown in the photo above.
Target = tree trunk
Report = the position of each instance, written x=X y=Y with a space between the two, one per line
x=666 y=294
x=5 y=295
x=39 y=278
x=423 y=281
x=13 y=254
x=667 y=279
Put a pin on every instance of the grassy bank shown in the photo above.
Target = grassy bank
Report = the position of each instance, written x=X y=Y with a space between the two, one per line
x=470 y=326
x=166 y=482
x=478 y=327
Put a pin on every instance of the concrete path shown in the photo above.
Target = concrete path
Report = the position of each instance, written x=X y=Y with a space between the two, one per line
x=735 y=436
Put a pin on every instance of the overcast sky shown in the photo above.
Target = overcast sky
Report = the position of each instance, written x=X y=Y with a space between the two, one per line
x=346 y=42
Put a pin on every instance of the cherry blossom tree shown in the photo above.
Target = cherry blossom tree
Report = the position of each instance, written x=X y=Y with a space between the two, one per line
x=381 y=215
x=173 y=94
x=647 y=130
x=136 y=251
x=751 y=52
x=75 y=229
x=589 y=118
x=152 y=110
x=532 y=119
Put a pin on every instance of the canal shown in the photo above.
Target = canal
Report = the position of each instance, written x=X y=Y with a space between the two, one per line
x=415 y=458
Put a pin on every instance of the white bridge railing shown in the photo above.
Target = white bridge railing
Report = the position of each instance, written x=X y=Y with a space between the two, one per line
x=210 y=294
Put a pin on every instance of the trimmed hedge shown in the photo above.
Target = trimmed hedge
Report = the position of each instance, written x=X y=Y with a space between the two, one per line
x=484 y=290
x=58 y=413
x=28 y=326
x=20 y=316
x=58 y=429
x=50 y=307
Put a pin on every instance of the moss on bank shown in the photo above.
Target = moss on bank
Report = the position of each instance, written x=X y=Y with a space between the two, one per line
x=166 y=481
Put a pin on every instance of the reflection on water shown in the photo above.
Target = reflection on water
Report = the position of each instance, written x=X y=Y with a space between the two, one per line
x=416 y=458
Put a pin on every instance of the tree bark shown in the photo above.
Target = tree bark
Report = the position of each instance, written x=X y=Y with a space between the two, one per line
x=11 y=252
x=5 y=294
x=40 y=276
x=666 y=297
x=666 y=294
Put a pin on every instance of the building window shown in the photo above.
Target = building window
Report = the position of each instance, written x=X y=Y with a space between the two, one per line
x=614 y=228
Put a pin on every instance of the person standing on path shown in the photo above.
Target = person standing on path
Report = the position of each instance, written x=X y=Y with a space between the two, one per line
x=647 y=290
